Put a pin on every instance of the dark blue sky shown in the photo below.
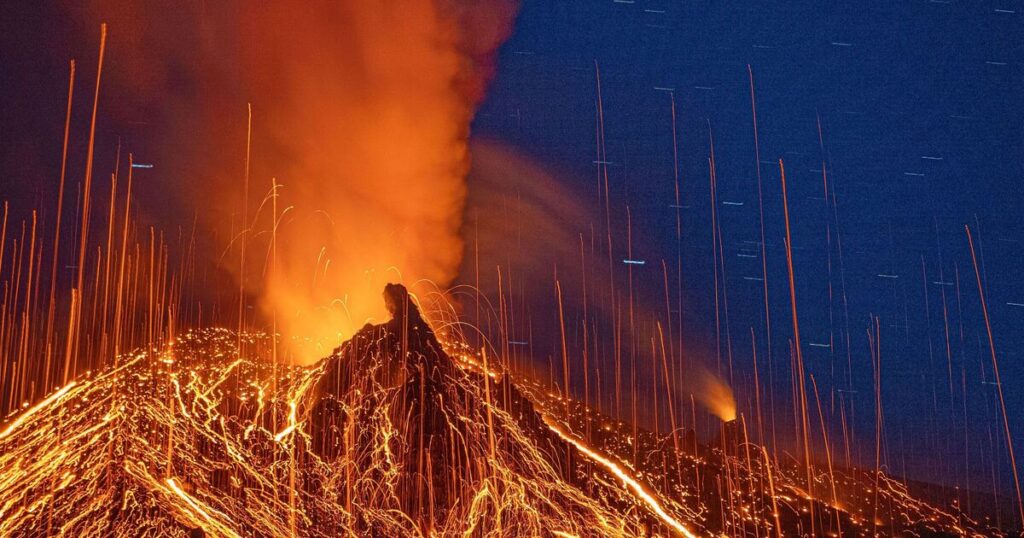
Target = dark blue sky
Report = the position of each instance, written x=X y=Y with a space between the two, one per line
x=923 y=133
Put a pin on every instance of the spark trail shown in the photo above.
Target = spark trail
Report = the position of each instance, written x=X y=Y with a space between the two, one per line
x=381 y=445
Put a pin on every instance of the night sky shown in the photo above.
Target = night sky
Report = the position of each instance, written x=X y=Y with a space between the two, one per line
x=922 y=132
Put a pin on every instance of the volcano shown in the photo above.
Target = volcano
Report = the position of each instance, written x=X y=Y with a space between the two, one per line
x=399 y=432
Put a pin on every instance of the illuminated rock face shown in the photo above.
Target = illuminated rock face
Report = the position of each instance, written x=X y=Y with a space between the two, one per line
x=395 y=434
x=391 y=386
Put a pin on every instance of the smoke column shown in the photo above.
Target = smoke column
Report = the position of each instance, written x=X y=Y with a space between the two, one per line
x=370 y=110
x=360 y=117
x=524 y=220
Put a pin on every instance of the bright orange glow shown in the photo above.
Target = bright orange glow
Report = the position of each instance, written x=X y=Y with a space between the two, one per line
x=354 y=173
x=374 y=135
x=41 y=405
x=716 y=395
x=198 y=508
x=637 y=488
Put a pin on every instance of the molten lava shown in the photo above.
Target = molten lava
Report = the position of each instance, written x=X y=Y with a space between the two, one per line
x=397 y=433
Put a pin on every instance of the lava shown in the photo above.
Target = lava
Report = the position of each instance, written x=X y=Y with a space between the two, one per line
x=397 y=432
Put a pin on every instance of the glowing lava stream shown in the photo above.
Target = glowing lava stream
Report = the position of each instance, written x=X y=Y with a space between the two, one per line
x=291 y=424
x=615 y=469
x=24 y=416
x=198 y=508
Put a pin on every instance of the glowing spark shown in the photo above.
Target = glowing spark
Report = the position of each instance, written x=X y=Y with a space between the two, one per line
x=24 y=416
x=198 y=507
x=291 y=424
x=637 y=488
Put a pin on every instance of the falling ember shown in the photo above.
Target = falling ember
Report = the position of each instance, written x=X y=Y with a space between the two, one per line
x=13 y=425
x=228 y=472
x=637 y=488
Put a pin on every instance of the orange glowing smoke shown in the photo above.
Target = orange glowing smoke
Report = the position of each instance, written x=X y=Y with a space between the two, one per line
x=519 y=210
x=368 y=106
x=715 y=394
x=360 y=117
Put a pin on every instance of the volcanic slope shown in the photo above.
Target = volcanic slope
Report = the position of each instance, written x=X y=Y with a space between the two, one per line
x=394 y=434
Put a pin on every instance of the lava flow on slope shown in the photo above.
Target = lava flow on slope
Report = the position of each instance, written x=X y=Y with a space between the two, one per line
x=397 y=433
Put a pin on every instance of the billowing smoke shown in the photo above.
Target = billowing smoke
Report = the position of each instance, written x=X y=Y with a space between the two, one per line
x=525 y=223
x=360 y=121
x=714 y=393
x=371 y=104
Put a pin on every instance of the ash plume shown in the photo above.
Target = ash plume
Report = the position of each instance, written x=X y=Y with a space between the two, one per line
x=354 y=173
x=525 y=223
